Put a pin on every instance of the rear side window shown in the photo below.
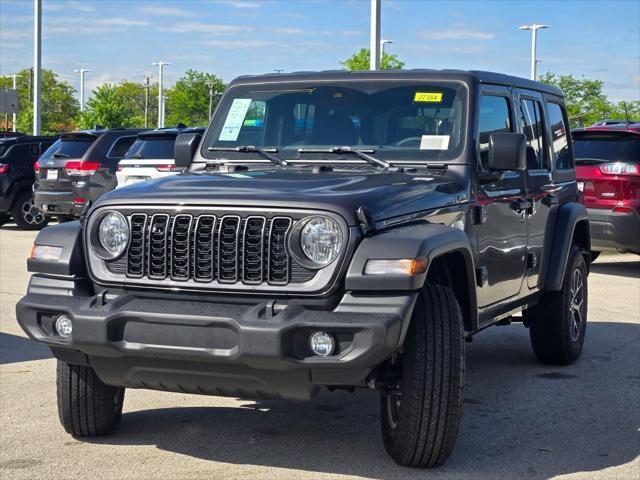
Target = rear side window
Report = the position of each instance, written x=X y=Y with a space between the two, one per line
x=19 y=154
x=494 y=118
x=533 y=129
x=152 y=147
x=68 y=148
x=120 y=147
x=34 y=149
x=558 y=126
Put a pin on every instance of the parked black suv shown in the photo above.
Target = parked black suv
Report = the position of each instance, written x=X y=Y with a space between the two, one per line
x=18 y=155
x=336 y=229
x=79 y=168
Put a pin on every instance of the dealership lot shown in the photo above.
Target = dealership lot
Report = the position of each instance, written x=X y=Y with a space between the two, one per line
x=521 y=419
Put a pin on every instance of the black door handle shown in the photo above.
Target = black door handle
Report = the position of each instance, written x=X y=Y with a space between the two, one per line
x=521 y=204
x=550 y=200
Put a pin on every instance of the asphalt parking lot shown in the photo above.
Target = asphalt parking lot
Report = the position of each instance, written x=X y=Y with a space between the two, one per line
x=521 y=419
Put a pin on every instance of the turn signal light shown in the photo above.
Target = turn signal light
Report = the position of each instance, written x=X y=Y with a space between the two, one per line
x=165 y=167
x=36 y=167
x=403 y=266
x=620 y=168
x=81 y=167
x=4 y=167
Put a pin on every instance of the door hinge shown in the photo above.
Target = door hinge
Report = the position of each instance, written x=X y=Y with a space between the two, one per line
x=479 y=213
x=482 y=276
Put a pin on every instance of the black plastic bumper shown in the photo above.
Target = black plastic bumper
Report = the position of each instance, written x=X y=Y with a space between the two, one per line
x=245 y=350
x=609 y=230
x=58 y=203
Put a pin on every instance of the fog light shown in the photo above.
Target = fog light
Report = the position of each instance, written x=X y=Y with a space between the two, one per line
x=322 y=344
x=63 y=326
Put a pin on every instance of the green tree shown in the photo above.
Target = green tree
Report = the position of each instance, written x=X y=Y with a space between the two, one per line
x=105 y=108
x=361 y=59
x=59 y=106
x=586 y=104
x=188 y=101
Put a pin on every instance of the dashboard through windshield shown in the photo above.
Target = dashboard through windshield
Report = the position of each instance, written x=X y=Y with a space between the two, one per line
x=399 y=121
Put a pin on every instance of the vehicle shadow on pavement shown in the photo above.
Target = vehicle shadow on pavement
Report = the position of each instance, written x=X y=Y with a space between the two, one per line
x=619 y=269
x=521 y=419
x=14 y=348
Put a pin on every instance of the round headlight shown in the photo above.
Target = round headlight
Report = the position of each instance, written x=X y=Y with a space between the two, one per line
x=113 y=235
x=321 y=240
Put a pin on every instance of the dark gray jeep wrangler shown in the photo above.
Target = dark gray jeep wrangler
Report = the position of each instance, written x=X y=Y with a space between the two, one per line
x=334 y=230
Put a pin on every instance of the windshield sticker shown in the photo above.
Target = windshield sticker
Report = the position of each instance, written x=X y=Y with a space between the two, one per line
x=433 y=97
x=434 y=142
x=235 y=119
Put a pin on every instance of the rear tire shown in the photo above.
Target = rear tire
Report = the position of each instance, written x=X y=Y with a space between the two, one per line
x=420 y=419
x=25 y=214
x=558 y=322
x=87 y=407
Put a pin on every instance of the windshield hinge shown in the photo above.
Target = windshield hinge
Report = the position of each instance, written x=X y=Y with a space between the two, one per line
x=366 y=222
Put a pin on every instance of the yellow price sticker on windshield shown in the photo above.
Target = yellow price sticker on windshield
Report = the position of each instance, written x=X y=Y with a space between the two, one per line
x=434 y=97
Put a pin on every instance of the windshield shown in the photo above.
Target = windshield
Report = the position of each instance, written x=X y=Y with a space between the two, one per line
x=68 y=148
x=152 y=147
x=613 y=148
x=397 y=120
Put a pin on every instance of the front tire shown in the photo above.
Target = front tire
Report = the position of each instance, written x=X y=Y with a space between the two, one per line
x=558 y=322
x=87 y=407
x=25 y=214
x=420 y=418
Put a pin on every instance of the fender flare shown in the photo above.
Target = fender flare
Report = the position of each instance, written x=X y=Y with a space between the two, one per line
x=68 y=236
x=568 y=217
x=413 y=241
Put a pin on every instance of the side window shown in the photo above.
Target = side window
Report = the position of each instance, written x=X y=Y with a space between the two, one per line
x=494 y=117
x=20 y=153
x=34 y=149
x=533 y=129
x=120 y=147
x=558 y=126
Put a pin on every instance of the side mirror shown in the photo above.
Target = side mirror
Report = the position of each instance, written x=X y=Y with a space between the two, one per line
x=185 y=148
x=507 y=151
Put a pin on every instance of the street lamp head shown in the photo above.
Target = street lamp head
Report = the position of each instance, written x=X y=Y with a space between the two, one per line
x=533 y=26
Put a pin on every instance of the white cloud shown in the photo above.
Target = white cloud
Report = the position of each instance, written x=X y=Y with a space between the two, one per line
x=456 y=34
x=352 y=33
x=71 y=5
x=121 y=22
x=235 y=44
x=170 y=11
x=288 y=31
x=210 y=28
x=240 y=3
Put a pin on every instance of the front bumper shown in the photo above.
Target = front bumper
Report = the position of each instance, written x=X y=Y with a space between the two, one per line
x=58 y=203
x=245 y=350
x=609 y=230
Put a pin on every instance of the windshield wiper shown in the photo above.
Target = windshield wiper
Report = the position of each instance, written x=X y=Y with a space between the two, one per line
x=61 y=155
x=363 y=154
x=137 y=156
x=267 y=153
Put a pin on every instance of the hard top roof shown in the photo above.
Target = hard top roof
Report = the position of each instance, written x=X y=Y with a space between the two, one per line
x=96 y=132
x=470 y=76
x=26 y=139
x=631 y=128
x=171 y=131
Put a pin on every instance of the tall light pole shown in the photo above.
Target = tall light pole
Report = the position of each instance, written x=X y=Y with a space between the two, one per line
x=374 y=45
x=37 y=60
x=160 y=66
x=382 y=44
x=81 y=71
x=13 y=115
x=534 y=27
x=147 y=87
x=212 y=92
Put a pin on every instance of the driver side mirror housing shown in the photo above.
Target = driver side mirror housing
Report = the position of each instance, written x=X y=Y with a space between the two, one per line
x=185 y=149
x=507 y=152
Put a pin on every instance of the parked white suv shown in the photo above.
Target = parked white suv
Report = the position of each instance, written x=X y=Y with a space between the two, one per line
x=151 y=156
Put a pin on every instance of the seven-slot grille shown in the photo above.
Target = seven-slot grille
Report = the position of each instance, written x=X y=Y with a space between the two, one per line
x=227 y=248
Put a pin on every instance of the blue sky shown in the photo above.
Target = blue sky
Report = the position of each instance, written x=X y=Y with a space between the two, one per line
x=119 y=39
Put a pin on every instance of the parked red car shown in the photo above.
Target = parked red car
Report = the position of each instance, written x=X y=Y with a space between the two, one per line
x=608 y=171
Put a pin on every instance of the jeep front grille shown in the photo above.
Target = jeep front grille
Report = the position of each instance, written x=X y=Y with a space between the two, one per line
x=228 y=249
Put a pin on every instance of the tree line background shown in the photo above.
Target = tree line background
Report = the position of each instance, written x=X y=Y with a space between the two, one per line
x=187 y=102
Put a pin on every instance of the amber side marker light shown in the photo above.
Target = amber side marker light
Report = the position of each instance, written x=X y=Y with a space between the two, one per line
x=402 y=266
x=46 y=252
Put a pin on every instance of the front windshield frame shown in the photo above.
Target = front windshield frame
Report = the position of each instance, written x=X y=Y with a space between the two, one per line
x=409 y=155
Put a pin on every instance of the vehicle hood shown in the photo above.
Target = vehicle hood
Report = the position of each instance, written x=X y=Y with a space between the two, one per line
x=385 y=194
